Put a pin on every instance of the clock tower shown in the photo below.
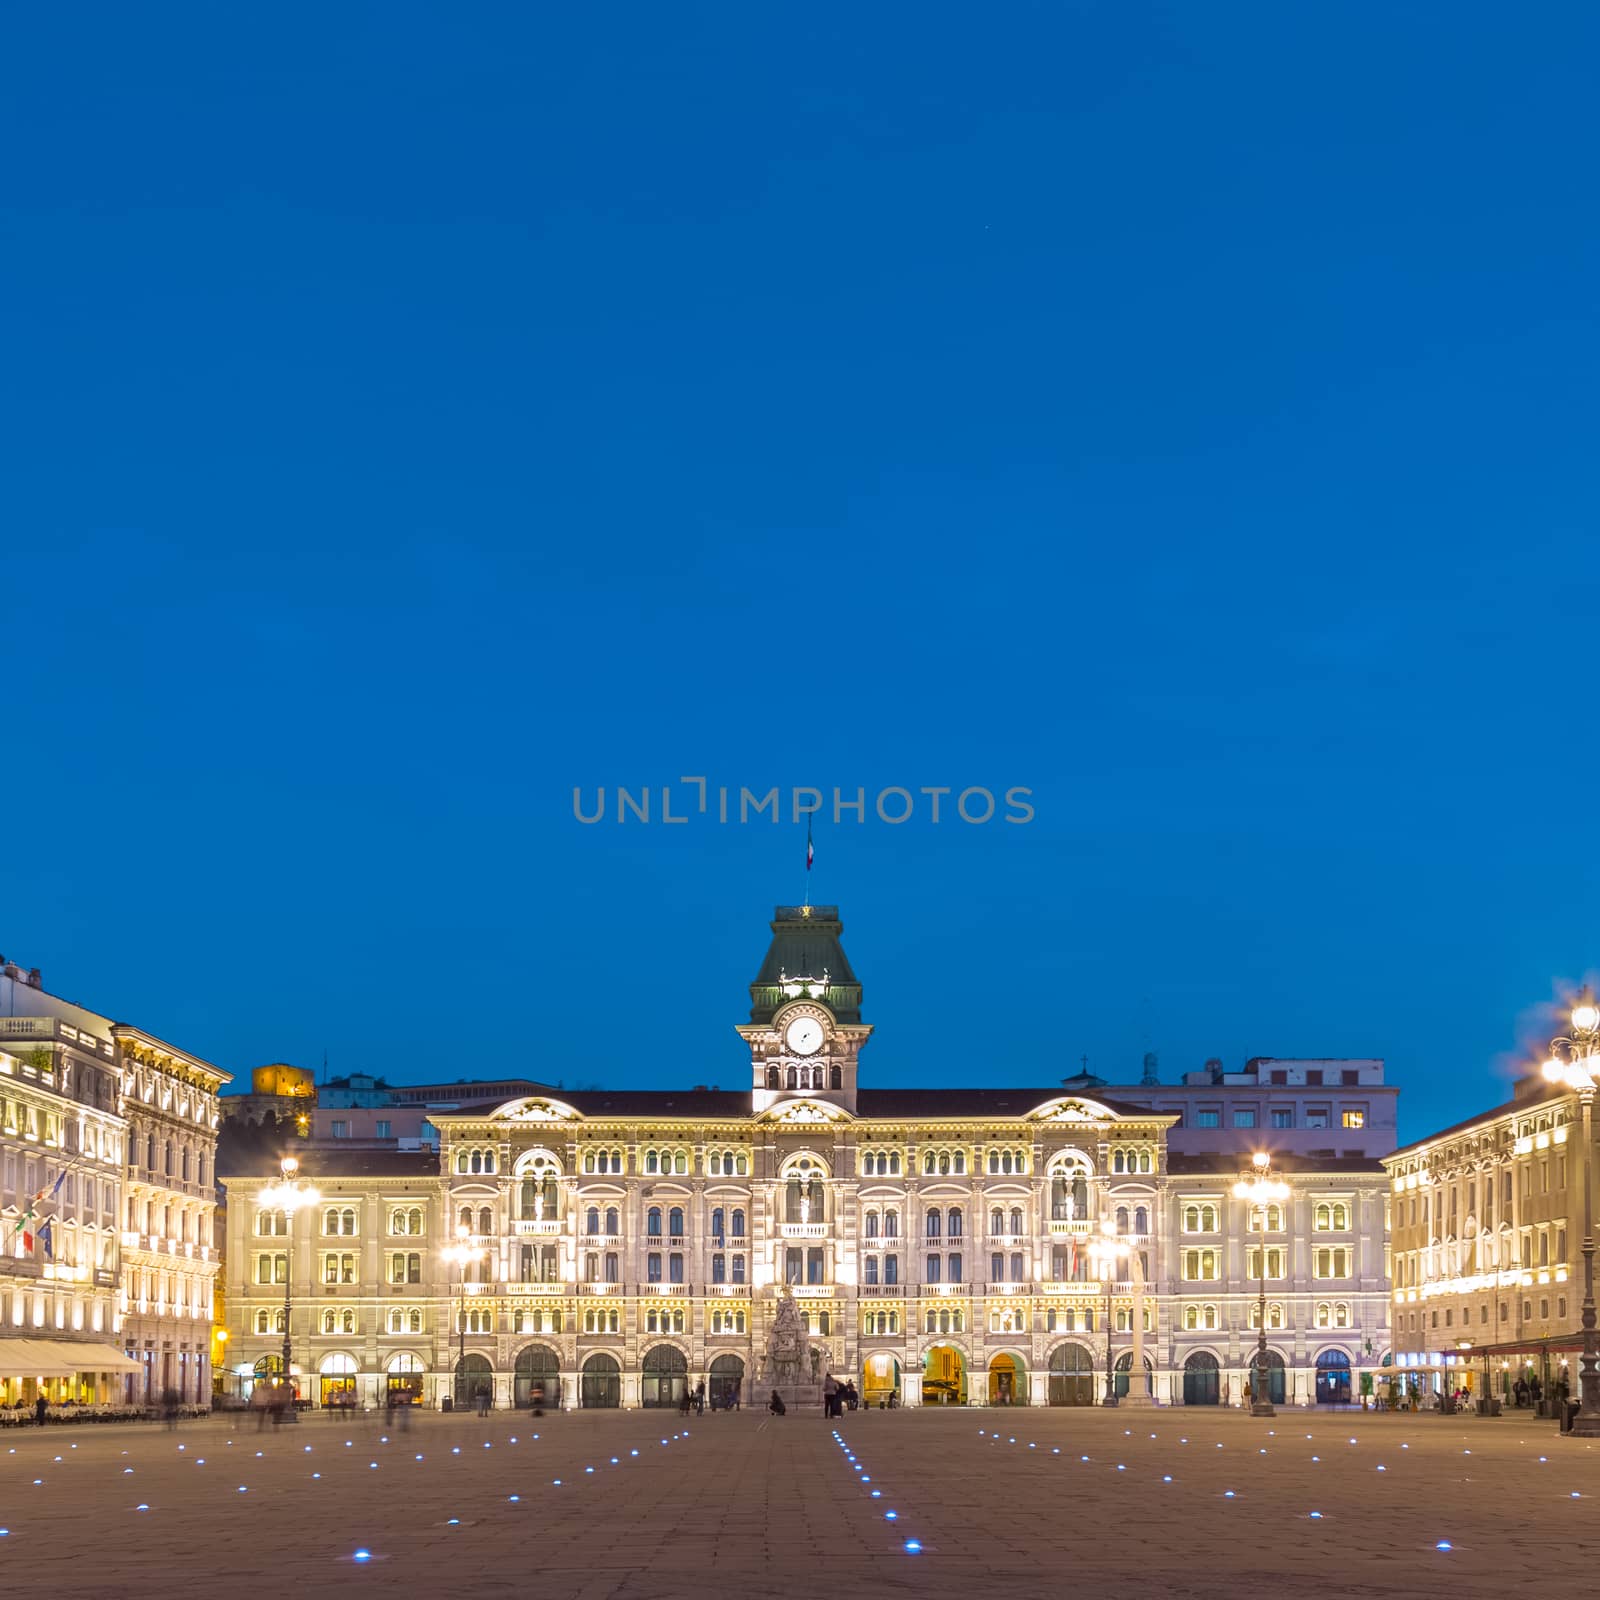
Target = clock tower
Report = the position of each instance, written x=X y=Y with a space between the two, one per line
x=805 y=1030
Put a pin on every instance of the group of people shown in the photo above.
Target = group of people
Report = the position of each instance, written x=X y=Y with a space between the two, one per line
x=695 y=1400
x=837 y=1396
x=1527 y=1392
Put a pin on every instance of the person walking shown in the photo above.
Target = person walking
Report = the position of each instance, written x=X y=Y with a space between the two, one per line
x=41 y=1407
x=483 y=1399
x=830 y=1391
x=538 y=1399
x=169 y=1409
x=700 y=1398
x=775 y=1405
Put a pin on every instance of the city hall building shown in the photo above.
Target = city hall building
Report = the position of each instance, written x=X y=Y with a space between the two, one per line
x=943 y=1245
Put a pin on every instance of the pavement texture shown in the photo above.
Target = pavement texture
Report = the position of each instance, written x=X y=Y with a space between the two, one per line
x=640 y=1505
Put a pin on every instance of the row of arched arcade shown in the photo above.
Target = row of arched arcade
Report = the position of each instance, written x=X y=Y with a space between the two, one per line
x=1073 y=1377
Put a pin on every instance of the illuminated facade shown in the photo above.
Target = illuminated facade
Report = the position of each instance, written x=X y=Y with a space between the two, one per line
x=944 y=1246
x=1487 y=1223
x=169 y=1255
x=62 y=1139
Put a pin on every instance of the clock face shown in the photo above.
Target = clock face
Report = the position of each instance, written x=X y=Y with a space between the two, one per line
x=804 y=1036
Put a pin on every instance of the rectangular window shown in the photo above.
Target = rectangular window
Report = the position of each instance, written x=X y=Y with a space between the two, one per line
x=1317 y=1117
x=1355 y=1119
x=794 y=1264
x=1282 y=1119
x=1314 y=1077
x=934 y=1267
x=385 y=1128
x=719 y=1269
x=652 y=1267
x=675 y=1267
x=955 y=1268
x=891 y=1269
x=341 y=1128
x=1208 y=1119
x=1244 y=1117
x=738 y=1269
x=814 y=1266
x=872 y=1269
x=997 y=1269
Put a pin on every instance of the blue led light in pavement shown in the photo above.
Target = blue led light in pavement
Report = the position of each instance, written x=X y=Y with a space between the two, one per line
x=913 y=1546
x=877 y=1494
x=1444 y=1544
x=1167 y=1479
x=362 y=1555
x=454 y=1522
x=1227 y=1494
x=1316 y=1516
x=889 y=1516
x=141 y=1508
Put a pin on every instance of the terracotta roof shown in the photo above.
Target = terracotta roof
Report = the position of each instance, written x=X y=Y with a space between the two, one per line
x=985 y=1102
x=322 y=1161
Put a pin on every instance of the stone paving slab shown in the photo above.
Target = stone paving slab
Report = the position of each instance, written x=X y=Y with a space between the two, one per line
x=746 y=1505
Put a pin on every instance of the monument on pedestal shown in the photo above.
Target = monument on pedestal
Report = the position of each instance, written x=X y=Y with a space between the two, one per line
x=791 y=1364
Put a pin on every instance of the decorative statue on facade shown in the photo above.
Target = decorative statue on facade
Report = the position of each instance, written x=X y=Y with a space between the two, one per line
x=789 y=1358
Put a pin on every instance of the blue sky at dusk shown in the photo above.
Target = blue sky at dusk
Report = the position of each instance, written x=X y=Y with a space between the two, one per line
x=1188 y=413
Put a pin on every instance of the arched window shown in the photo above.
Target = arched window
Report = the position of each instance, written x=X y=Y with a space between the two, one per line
x=1016 y=1220
x=872 y=1224
x=953 y=1222
x=803 y=1198
x=891 y=1224
x=1122 y=1219
x=718 y=1220
x=652 y=1222
x=675 y=1222
x=464 y=1221
x=934 y=1222
x=591 y=1220
x=613 y=1222
x=1141 y=1220
x=738 y=1223
x=997 y=1221
x=930 y=1165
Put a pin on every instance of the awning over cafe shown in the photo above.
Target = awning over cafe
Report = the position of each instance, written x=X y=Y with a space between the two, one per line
x=61 y=1358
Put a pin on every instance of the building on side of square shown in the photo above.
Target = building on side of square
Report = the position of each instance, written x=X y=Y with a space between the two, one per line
x=938 y=1242
x=170 y=1259
x=62 y=1141
x=1487 y=1244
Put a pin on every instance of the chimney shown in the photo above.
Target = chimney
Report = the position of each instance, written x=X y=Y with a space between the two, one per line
x=34 y=980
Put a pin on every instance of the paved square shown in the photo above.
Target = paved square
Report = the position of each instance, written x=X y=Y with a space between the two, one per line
x=1024 y=1502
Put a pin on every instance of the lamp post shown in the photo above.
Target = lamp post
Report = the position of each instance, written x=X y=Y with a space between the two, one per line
x=1259 y=1188
x=461 y=1253
x=1575 y=1062
x=1106 y=1251
x=288 y=1195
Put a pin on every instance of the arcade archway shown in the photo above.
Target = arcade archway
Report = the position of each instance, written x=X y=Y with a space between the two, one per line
x=600 y=1383
x=1071 y=1376
x=1202 y=1380
x=664 y=1376
x=1008 y=1383
x=944 y=1377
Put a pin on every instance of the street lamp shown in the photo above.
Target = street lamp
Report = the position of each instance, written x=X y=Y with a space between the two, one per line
x=288 y=1196
x=462 y=1252
x=1106 y=1251
x=1259 y=1188
x=1575 y=1062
